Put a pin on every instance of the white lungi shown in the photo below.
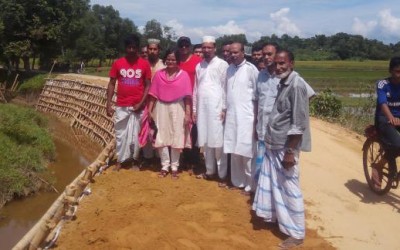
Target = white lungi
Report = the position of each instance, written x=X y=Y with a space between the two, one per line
x=278 y=195
x=127 y=127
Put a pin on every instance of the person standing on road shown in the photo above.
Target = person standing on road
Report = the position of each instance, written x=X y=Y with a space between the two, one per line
x=209 y=109
x=278 y=195
x=133 y=75
x=189 y=61
x=170 y=99
x=239 y=130
x=266 y=92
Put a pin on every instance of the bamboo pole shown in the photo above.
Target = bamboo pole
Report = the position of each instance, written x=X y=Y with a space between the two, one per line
x=42 y=228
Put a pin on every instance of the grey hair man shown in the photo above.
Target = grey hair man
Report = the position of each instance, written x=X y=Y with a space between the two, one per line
x=278 y=195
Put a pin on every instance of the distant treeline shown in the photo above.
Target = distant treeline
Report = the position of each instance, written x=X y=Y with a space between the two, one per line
x=39 y=32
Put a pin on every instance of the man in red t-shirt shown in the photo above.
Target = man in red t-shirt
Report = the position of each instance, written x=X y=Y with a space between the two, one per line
x=133 y=75
x=188 y=63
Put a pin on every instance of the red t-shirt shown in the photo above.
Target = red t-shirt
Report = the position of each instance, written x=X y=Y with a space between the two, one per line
x=190 y=67
x=131 y=80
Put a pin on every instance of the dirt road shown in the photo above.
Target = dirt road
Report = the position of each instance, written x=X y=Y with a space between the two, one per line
x=137 y=210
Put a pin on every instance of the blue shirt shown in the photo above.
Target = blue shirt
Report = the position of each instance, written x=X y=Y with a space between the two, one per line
x=266 y=92
x=388 y=93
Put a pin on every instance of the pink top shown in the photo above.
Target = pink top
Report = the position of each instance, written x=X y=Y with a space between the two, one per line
x=170 y=90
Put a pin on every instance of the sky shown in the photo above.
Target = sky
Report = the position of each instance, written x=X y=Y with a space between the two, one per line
x=373 y=19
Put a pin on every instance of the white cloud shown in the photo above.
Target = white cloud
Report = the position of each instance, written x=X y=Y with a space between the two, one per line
x=282 y=24
x=176 y=26
x=389 y=23
x=363 y=28
x=230 y=28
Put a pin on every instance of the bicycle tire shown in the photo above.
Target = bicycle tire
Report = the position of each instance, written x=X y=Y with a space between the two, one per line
x=374 y=160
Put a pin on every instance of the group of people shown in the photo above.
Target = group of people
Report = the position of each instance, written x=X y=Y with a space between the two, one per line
x=255 y=121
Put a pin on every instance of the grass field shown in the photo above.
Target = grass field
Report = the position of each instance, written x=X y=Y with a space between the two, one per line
x=343 y=77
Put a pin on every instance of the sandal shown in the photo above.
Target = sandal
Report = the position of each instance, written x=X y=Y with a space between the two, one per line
x=174 y=175
x=163 y=173
x=222 y=184
x=290 y=243
x=205 y=176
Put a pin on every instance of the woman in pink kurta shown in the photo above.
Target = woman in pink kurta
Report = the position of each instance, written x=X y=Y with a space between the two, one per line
x=170 y=96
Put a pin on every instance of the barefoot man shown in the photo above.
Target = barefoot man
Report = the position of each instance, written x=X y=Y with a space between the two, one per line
x=133 y=74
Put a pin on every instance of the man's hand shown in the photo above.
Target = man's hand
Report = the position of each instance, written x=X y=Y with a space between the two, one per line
x=394 y=121
x=288 y=160
x=194 y=117
x=110 y=110
x=187 y=119
x=137 y=107
x=222 y=116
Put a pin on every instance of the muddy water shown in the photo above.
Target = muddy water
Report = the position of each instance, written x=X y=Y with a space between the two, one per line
x=74 y=153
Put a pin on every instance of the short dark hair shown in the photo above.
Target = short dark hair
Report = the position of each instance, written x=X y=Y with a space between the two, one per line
x=256 y=48
x=241 y=45
x=196 y=46
x=132 y=39
x=229 y=42
x=288 y=53
x=274 y=44
x=394 y=62
x=174 y=51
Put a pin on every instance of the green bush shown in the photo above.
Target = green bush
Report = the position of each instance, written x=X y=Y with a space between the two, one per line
x=25 y=148
x=33 y=84
x=326 y=105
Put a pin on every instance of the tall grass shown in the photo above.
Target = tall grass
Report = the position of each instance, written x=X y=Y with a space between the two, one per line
x=25 y=148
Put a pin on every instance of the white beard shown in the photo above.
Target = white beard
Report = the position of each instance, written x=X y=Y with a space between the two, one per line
x=284 y=74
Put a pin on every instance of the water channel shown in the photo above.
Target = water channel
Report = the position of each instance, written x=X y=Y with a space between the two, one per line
x=74 y=152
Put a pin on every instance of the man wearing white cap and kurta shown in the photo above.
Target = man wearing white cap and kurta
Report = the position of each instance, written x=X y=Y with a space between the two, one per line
x=153 y=51
x=239 y=132
x=209 y=109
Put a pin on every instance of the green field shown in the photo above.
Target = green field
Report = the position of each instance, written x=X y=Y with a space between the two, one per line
x=343 y=77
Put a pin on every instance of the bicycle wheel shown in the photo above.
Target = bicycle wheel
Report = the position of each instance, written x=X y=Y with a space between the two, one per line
x=376 y=167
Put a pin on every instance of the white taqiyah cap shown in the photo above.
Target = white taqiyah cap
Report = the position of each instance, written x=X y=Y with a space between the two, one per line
x=153 y=41
x=208 y=39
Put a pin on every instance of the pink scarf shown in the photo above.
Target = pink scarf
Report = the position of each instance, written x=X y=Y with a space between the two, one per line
x=170 y=90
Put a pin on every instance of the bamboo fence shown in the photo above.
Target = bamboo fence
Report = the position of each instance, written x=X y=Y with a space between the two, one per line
x=85 y=105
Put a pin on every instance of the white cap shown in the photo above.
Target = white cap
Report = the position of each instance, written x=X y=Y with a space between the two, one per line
x=208 y=39
x=153 y=41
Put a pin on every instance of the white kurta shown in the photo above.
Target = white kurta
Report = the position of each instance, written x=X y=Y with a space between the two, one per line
x=239 y=120
x=210 y=101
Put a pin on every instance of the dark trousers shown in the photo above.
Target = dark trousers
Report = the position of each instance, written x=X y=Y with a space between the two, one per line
x=192 y=156
x=390 y=136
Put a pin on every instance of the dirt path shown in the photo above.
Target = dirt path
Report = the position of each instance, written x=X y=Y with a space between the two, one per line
x=343 y=209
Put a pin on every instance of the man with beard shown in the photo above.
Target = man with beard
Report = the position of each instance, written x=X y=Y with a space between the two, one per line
x=256 y=54
x=153 y=53
x=209 y=109
x=153 y=50
x=133 y=75
x=240 y=117
x=278 y=196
